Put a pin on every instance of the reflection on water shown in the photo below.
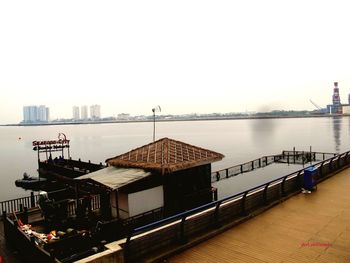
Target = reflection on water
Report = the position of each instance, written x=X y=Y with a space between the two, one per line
x=337 y=123
x=263 y=130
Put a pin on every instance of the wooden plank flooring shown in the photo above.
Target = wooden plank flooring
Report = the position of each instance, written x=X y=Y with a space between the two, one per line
x=305 y=228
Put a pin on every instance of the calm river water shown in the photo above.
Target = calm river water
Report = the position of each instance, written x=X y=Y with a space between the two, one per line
x=238 y=140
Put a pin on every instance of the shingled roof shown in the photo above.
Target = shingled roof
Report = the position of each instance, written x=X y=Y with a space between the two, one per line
x=165 y=156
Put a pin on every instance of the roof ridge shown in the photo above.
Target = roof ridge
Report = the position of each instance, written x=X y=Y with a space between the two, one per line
x=169 y=155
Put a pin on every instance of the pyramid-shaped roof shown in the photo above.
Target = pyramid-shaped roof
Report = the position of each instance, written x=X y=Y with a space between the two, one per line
x=165 y=156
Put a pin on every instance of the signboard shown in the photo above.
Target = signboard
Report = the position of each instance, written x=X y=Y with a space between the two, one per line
x=52 y=145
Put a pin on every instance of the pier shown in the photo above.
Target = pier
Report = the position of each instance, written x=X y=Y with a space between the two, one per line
x=305 y=228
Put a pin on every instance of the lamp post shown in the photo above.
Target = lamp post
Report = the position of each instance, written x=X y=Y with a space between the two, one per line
x=154 y=110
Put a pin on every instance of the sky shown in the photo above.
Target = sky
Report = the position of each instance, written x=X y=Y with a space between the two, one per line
x=186 y=56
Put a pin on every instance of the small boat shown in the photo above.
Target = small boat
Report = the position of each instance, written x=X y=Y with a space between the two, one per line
x=29 y=182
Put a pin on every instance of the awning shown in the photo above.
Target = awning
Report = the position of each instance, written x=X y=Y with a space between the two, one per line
x=115 y=177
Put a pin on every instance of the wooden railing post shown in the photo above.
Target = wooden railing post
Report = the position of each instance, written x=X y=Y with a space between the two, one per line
x=243 y=206
x=299 y=181
x=127 y=247
x=216 y=215
x=265 y=193
x=321 y=170
x=32 y=199
x=217 y=176
x=183 y=238
x=25 y=215
x=283 y=191
x=4 y=221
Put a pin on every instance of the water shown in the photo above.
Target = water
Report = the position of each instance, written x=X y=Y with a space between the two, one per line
x=238 y=140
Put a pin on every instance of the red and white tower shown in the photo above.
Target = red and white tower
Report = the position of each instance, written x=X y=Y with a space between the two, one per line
x=336 y=99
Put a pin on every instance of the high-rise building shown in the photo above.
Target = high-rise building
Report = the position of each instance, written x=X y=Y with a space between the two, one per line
x=26 y=114
x=47 y=113
x=42 y=113
x=95 y=112
x=33 y=114
x=84 y=112
x=76 y=113
x=29 y=114
x=337 y=107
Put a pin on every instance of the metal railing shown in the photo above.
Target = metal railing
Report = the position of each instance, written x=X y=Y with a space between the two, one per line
x=94 y=205
x=304 y=157
x=290 y=157
x=15 y=205
x=179 y=228
x=245 y=167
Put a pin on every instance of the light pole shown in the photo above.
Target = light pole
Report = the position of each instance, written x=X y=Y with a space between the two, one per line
x=154 y=110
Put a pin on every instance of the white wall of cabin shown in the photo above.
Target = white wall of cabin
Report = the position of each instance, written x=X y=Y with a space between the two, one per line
x=144 y=201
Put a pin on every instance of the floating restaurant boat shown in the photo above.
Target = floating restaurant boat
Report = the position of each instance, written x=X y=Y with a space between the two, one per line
x=141 y=186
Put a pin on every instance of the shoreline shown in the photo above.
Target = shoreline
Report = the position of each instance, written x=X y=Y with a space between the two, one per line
x=223 y=118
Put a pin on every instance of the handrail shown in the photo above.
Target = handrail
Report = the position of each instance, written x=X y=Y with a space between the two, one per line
x=297 y=151
x=213 y=174
x=263 y=162
x=193 y=211
x=13 y=205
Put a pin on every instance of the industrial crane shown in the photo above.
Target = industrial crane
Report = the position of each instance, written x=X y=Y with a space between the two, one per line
x=317 y=107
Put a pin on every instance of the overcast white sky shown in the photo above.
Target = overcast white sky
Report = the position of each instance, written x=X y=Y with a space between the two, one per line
x=187 y=56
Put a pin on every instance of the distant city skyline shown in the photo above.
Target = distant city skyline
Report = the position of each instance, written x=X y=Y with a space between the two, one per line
x=187 y=56
x=82 y=112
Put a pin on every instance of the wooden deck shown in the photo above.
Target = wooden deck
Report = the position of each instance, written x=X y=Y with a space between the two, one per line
x=306 y=228
x=7 y=254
